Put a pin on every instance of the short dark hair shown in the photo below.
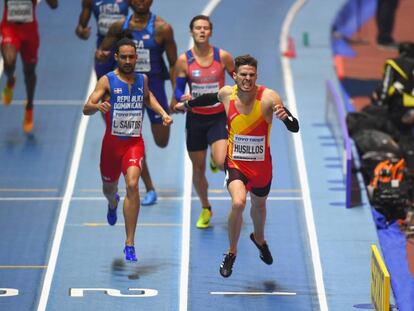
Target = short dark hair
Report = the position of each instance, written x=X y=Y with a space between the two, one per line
x=245 y=60
x=198 y=17
x=124 y=41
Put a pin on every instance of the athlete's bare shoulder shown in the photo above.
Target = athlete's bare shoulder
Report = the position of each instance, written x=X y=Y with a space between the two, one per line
x=161 y=26
x=271 y=97
x=224 y=93
x=182 y=58
x=103 y=83
x=225 y=56
x=181 y=63
x=227 y=61
x=270 y=100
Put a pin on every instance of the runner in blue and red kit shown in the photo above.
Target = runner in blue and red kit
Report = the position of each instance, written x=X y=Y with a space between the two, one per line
x=153 y=36
x=106 y=12
x=121 y=96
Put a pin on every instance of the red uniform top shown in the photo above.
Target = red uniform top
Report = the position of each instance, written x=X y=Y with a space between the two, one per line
x=248 y=147
x=204 y=80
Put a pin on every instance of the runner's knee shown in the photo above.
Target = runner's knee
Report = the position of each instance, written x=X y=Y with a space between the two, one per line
x=109 y=190
x=199 y=168
x=132 y=185
x=239 y=204
x=9 y=56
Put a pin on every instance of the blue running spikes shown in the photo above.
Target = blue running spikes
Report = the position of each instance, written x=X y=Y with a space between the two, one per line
x=150 y=198
x=129 y=252
x=111 y=215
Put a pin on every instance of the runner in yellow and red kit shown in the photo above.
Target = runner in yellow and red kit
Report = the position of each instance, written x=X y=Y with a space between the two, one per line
x=250 y=109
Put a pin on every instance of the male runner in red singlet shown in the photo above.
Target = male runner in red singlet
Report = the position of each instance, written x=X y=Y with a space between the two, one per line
x=153 y=36
x=19 y=32
x=250 y=109
x=121 y=95
x=203 y=68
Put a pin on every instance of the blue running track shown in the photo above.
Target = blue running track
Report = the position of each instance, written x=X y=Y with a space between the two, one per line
x=58 y=253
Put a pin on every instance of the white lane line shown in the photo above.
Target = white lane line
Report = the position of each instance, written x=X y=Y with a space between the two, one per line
x=226 y=198
x=123 y=190
x=183 y=198
x=64 y=208
x=1 y=66
x=303 y=176
x=254 y=293
x=105 y=224
x=188 y=173
x=211 y=5
x=212 y=190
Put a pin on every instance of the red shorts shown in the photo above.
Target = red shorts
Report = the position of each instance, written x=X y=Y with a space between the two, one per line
x=255 y=175
x=119 y=154
x=24 y=37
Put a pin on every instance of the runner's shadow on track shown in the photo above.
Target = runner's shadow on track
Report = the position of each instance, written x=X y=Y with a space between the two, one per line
x=21 y=140
x=133 y=271
x=265 y=286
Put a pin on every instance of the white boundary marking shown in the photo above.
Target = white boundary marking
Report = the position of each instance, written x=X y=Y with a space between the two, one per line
x=223 y=198
x=188 y=173
x=255 y=293
x=64 y=208
x=303 y=176
x=1 y=66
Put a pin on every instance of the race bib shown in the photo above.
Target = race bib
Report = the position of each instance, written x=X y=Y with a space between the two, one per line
x=249 y=148
x=127 y=123
x=198 y=89
x=105 y=21
x=20 y=11
x=143 y=62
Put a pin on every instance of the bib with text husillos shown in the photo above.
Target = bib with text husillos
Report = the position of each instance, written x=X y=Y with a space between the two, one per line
x=127 y=122
x=105 y=21
x=249 y=148
x=20 y=11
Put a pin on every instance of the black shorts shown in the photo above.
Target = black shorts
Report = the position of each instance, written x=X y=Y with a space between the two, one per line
x=235 y=174
x=203 y=130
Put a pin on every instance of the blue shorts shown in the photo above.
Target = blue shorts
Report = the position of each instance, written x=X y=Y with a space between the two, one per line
x=203 y=130
x=157 y=87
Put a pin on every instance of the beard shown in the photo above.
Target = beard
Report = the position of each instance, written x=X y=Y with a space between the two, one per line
x=126 y=69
